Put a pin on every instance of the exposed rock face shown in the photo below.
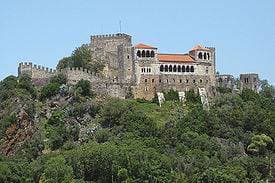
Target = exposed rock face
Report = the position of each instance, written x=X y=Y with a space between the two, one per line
x=18 y=133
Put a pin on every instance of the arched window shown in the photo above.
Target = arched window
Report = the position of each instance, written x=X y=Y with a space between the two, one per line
x=161 y=68
x=166 y=68
x=183 y=68
x=192 y=69
x=204 y=56
x=138 y=53
x=200 y=55
x=179 y=68
x=143 y=53
x=152 y=54
x=147 y=53
x=208 y=56
x=170 y=68
x=187 y=69
x=175 y=68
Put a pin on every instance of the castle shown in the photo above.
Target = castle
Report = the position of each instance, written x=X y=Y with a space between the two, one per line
x=144 y=72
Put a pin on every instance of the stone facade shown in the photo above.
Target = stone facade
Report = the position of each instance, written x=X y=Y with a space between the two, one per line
x=226 y=81
x=250 y=81
x=140 y=69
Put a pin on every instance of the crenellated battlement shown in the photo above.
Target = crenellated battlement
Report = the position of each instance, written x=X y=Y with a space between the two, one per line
x=31 y=66
x=118 y=35
x=79 y=70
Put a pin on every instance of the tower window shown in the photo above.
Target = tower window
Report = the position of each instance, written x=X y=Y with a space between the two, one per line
x=160 y=80
x=208 y=56
x=187 y=80
x=194 y=81
x=161 y=68
x=152 y=54
x=183 y=68
x=187 y=69
x=166 y=68
x=179 y=68
x=145 y=80
x=175 y=68
x=200 y=80
x=143 y=53
x=192 y=69
x=128 y=57
x=180 y=80
x=170 y=68
x=138 y=53
x=204 y=56
x=147 y=53
x=200 y=55
x=153 y=80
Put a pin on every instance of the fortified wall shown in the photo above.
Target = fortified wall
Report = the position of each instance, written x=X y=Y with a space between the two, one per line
x=100 y=84
x=38 y=73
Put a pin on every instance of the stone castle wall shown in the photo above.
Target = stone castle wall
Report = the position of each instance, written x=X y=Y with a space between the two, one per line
x=100 y=84
x=151 y=84
x=38 y=73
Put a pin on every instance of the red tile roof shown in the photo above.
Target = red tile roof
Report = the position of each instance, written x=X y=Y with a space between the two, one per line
x=144 y=46
x=199 y=47
x=175 y=58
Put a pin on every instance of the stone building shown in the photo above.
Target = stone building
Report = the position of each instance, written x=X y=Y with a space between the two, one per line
x=226 y=81
x=250 y=81
x=140 y=69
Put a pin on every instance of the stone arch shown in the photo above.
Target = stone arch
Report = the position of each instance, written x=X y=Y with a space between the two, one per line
x=143 y=53
x=187 y=68
x=183 y=68
x=152 y=54
x=166 y=68
x=204 y=56
x=192 y=68
x=200 y=55
x=170 y=68
x=175 y=68
x=161 y=68
x=179 y=68
x=147 y=53
x=208 y=56
x=138 y=53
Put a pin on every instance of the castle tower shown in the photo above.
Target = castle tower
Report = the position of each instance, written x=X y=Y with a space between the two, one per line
x=250 y=81
x=206 y=57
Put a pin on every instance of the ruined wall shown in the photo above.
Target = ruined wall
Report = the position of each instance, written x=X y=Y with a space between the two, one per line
x=225 y=81
x=39 y=74
x=250 y=81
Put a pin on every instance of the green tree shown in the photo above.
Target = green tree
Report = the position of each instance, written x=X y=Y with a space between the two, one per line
x=171 y=95
x=260 y=144
x=82 y=57
x=56 y=170
x=83 y=87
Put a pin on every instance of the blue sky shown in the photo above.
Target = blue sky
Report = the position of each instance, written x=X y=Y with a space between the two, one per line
x=243 y=31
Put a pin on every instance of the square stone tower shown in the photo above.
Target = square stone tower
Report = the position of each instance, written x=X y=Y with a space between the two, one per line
x=250 y=81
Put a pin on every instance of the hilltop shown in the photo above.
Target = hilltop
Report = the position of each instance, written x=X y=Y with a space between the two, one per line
x=66 y=133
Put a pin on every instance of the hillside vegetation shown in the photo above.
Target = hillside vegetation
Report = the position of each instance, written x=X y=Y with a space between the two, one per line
x=62 y=133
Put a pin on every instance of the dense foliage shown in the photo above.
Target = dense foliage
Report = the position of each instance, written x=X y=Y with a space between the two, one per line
x=81 y=57
x=80 y=138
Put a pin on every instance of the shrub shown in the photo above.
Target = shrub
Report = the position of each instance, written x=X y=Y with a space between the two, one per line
x=171 y=95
